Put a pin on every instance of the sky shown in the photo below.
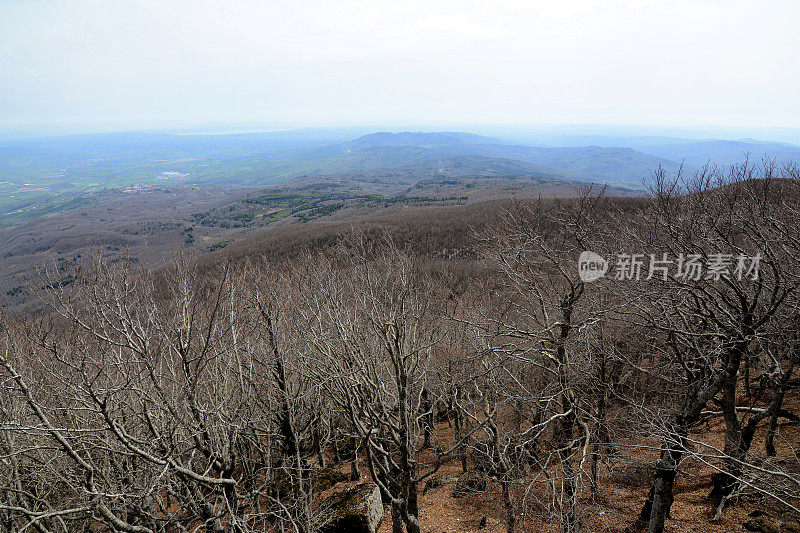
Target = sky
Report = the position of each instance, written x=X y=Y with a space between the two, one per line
x=159 y=63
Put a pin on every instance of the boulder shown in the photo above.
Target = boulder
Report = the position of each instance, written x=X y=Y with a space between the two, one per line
x=470 y=482
x=325 y=478
x=355 y=510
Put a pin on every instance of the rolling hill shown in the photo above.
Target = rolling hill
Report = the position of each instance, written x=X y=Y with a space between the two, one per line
x=51 y=175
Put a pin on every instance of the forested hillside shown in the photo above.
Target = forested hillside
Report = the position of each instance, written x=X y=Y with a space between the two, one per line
x=589 y=363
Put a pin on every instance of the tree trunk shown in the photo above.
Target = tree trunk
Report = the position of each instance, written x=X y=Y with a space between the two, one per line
x=570 y=509
x=725 y=482
x=412 y=509
x=565 y=427
x=509 y=508
x=769 y=439
x=459 y=430
x=601 y=438
x=565 y=443
x=659 y=502
x=427 y=419
x=355 y=472
x=397 y=519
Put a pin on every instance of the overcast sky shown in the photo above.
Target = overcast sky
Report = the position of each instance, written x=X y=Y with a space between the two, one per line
x=165 y=62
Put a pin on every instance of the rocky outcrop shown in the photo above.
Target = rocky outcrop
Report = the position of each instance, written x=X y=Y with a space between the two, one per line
x=355 y=510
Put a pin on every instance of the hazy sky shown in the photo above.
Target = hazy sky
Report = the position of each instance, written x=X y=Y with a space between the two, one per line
x=161 y=62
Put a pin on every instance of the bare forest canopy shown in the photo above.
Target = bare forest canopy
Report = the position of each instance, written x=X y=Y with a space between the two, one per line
x=458 y=353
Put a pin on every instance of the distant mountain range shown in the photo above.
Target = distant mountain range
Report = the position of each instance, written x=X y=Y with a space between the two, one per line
x=35 y=168
x=430 y=140
x=693 y=152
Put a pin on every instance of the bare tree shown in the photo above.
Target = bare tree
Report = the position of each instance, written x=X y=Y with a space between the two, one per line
x=541 y=343
x=371 y=347
x=708 y=323
x=159 y=402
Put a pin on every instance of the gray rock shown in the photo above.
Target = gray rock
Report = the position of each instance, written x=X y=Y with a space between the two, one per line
x=355 y=510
